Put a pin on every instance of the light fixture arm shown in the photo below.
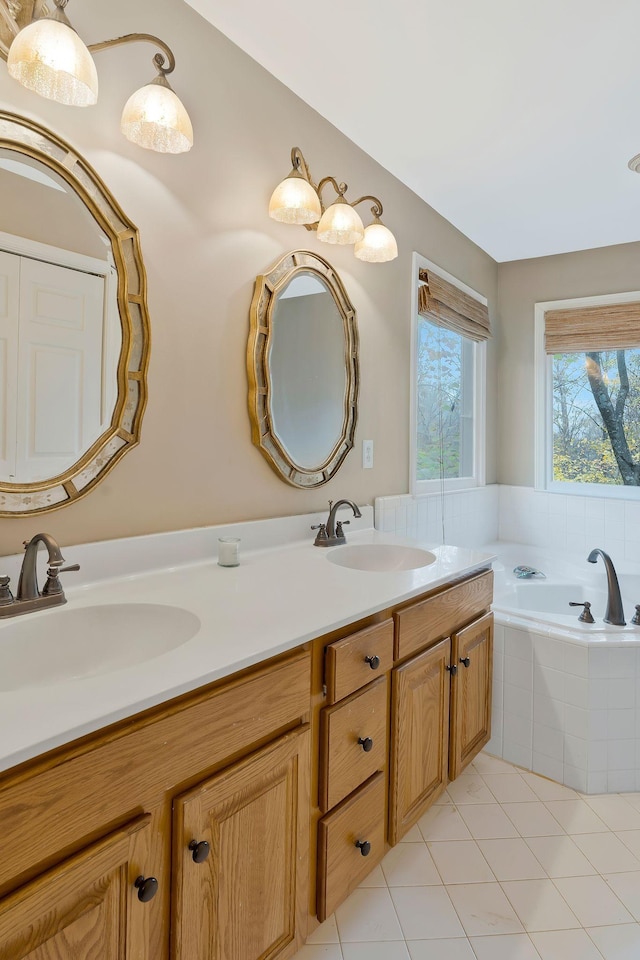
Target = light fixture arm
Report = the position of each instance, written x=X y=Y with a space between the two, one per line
x=375 y=210
x=158 y=60
x=340 y=189
x=299 y=163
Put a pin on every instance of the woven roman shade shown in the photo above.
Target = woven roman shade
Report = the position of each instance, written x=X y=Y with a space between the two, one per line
x=447 y=306
x=611 y=326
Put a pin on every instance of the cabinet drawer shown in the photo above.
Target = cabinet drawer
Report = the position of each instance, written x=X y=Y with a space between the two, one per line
x=345 y=763
x=347 y=666
x=439 y=616
x=341 y=864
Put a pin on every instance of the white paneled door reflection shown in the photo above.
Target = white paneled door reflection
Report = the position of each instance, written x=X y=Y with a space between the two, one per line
x=52 y=347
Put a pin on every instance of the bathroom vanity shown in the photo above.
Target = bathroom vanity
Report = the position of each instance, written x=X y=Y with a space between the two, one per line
x=223 y=823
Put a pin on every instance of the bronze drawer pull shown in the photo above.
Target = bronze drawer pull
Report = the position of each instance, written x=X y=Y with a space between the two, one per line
x=366 y=743
x=374 y=662
x=465 y=660
x=452 y=668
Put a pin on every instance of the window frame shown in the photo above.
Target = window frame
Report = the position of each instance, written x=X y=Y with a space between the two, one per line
x=425 y=487
x=543 y=400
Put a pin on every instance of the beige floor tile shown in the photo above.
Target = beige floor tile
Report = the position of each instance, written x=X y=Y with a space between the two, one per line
x=443 y=823
x=631 y=839
x=576 y=816
x=368 y=915
x=633 y=799
x=509 y=788
x=487 y=821
x=458 y=949
x=617 y=943
x=516 y=946
x=565 y=945
x=376 y=877
x=443 y=800
x=327 y=932
x=320 y=951
x=626 y=887
x=392 y=950
x=511 y=860
x=548 y=789
x=485 y=763
x=470 y=788
x=615 y=812
x=606 y=852
x=412 y=836
x=560 y=857
x=539 y=905
x=460 y=861
x=426 y=913
x=484 y=909
x=532 y=819
x=410 y=865
x=592 y=901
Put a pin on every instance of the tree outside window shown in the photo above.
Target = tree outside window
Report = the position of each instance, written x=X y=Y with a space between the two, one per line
x=596 y=417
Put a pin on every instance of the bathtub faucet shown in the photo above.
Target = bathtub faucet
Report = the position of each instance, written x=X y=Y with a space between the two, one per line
x=614 y=613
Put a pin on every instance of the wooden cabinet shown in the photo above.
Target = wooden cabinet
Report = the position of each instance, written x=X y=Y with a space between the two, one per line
x=441 y=718
x=229 y=764
x=246 y=898
x=472 y=651
x=88 y=906
x=419 y=736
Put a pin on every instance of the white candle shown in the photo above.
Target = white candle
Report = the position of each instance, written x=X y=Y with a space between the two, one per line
x=228 y=551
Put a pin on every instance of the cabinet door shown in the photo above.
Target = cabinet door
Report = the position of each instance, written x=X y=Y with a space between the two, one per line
x=419 y=736
x=247 y=897
x=472 y=651
x=87 y=907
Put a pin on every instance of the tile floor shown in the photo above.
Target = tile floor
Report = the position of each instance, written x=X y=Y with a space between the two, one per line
x=506 y=866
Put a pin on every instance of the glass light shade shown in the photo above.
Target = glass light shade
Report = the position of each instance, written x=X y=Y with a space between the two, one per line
x=295 y=201
x=155 y=118
x=49 y=58
x=378 y=246
x=340 y=223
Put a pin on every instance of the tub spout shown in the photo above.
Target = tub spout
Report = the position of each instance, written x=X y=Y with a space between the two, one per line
x=614 y=613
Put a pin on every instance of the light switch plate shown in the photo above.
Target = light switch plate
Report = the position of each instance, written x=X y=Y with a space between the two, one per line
x=367 y=454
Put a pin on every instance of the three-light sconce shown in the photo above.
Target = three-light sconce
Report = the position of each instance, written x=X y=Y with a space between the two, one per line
x=297 y=199
x=48 y=57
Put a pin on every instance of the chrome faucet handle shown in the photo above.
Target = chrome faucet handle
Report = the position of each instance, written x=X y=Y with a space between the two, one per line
x=636 y=617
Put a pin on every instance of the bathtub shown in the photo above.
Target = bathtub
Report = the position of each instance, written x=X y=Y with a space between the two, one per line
x=566 y=694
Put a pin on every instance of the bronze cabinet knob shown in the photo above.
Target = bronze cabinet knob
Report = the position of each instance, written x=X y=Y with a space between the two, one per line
x=366 y=743
x=364 y=847
x=147 y=888
x=199 y=850
x=374 y=662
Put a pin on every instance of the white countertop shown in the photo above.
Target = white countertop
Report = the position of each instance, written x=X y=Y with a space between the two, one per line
x=275 y=600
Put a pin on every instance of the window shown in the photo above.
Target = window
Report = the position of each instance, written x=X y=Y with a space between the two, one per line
x=589 y=396
x=448 y=361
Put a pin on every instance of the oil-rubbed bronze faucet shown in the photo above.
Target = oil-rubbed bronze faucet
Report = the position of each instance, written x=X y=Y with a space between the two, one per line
x=331 y=534
x=614 y=613
x=28 y=597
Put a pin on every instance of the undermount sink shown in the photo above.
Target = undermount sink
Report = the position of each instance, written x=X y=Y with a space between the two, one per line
x=381 y=557
x=66 y=644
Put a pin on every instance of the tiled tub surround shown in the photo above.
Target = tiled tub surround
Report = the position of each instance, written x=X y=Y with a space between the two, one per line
x=284 y=593
x=469 y=517
x=566 y=695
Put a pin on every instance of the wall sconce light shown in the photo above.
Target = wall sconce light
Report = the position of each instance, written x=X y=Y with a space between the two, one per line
x=297 y=199
x=49 y=58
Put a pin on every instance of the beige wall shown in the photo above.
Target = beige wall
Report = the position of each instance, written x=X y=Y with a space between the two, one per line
x=521 y=284
x=205 y=235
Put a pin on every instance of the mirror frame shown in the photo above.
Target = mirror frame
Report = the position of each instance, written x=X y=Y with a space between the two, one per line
x=263 y=435
x=24 y=136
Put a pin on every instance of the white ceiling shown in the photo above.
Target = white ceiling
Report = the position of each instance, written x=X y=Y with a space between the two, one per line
x=514 y=120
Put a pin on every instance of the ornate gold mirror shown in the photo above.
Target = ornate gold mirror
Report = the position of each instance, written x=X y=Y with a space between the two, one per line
x=74 y=327
x=302 y=364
